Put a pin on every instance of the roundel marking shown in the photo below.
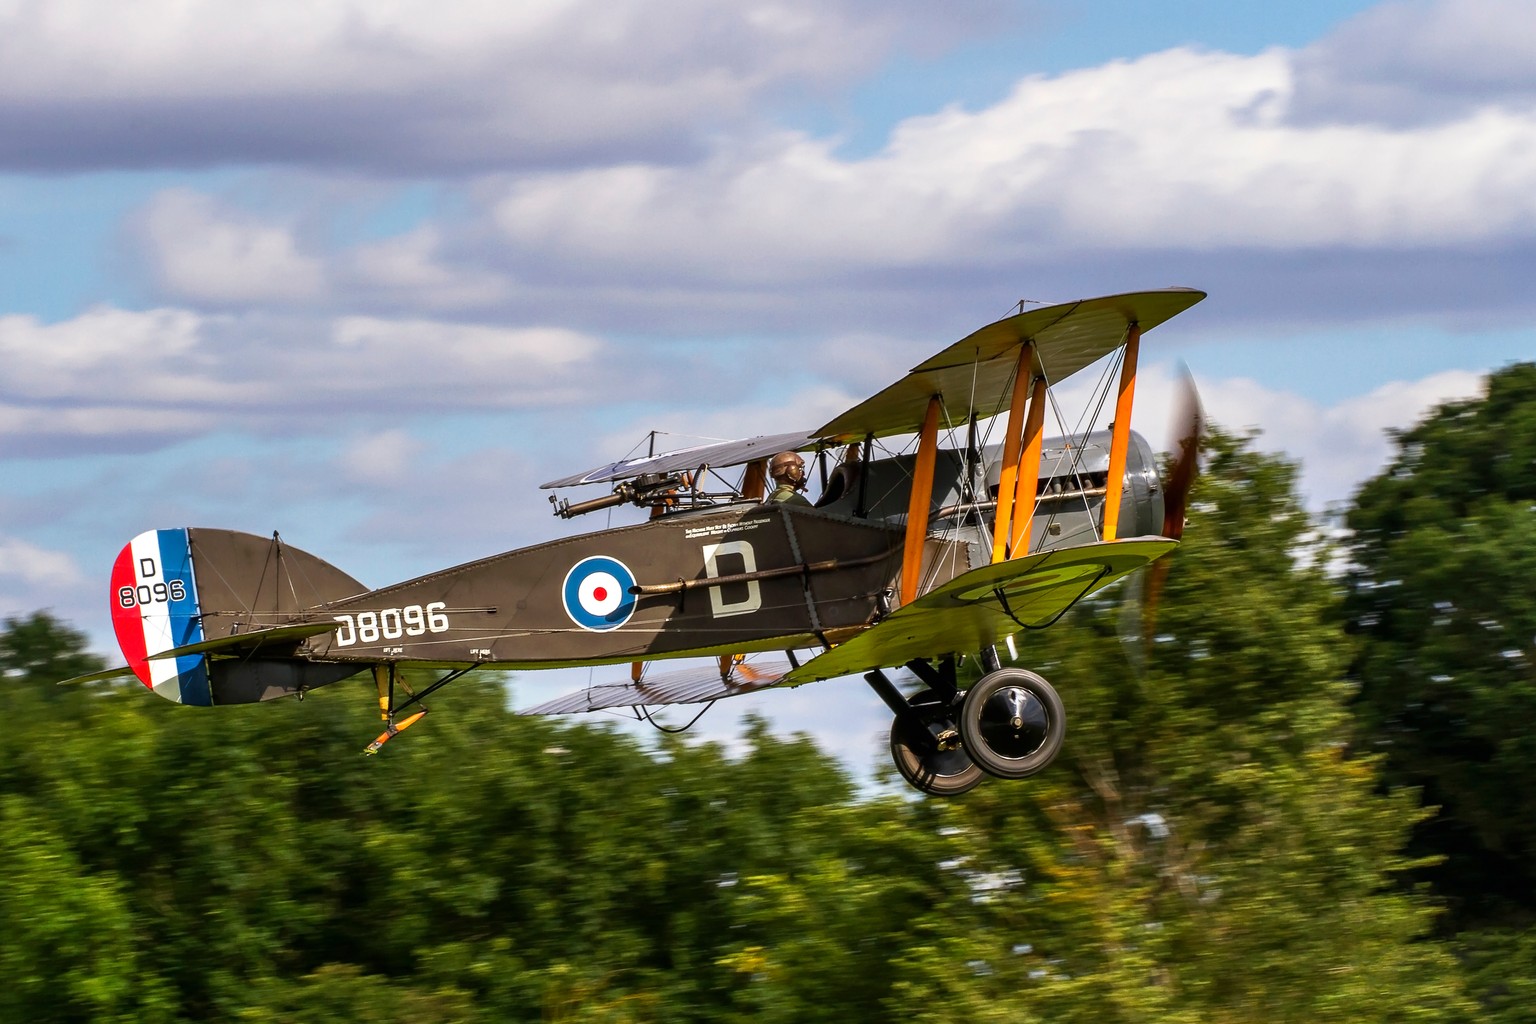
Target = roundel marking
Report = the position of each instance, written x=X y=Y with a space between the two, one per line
x=596 y=593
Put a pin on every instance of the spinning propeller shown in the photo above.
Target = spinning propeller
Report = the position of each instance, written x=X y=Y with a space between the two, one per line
x=1187 y=428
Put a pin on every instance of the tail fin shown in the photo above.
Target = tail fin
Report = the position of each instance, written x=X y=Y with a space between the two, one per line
x=233 y=594
x=155 y=609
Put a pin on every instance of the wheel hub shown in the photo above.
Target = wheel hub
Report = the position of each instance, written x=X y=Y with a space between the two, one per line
x=1014 y=722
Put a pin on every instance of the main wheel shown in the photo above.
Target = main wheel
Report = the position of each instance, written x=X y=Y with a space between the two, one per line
x=944 y=770
x=1012 y=723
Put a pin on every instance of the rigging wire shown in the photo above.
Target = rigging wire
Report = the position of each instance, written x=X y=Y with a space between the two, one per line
x=1077 y=442
x=643 y=712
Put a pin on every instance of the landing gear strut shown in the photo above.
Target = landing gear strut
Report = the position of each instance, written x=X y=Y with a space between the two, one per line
x=925 y=740
x=934 y=762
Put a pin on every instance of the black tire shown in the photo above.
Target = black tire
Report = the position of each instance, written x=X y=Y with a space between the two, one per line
x=1012 y=723
x=938 y=772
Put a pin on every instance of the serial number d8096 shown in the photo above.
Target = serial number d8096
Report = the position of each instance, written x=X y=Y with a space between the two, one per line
x=151 y=593
x=391 y=624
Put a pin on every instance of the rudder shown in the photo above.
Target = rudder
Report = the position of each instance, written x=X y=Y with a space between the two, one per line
x=155 y=609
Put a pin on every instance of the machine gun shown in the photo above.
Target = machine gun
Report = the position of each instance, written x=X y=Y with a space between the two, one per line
x=649 y=490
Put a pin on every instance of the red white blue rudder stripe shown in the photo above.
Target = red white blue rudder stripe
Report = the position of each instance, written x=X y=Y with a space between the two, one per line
x=154 y=609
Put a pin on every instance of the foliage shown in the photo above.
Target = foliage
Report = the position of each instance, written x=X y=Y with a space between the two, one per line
x=170 y=863
x=1444 y=551
x=1502 y=972
x=40 y=649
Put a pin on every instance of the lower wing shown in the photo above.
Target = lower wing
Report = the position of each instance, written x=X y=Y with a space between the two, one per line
x=695 y=685
x=981 y=607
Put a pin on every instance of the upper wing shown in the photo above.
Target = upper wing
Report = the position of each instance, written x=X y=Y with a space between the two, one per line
x=716 y=454
x=978 y=608
x=981 y=367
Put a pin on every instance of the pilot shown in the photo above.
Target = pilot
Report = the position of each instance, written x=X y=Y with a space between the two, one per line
x=788 y=472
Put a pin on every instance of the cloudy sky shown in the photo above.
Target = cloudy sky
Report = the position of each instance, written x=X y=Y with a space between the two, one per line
x=367 y=273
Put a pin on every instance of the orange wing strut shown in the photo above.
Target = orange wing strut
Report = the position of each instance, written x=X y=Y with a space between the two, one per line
x=1120 y=439
x=1007 y=484
x=1029 y=472
x=754 y=483
x=920 y=502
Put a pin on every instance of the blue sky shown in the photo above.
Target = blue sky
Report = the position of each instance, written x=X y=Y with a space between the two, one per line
x=368 y=273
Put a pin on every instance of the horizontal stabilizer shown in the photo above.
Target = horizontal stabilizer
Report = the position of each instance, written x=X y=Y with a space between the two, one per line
x=684 y=686
x=121 y=672
x=251 y=641
x=240 y=643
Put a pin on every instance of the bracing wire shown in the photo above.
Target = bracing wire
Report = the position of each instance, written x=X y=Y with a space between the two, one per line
x=645 y=713
x=1099 y=397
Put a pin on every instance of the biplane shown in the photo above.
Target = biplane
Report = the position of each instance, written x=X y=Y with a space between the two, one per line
x=919 y=557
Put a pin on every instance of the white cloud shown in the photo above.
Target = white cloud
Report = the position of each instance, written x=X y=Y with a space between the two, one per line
x=218 y=255
x=102 y=428
x=107 y=373
x=1414 y=62
x=117 y=380
x=380 y=459
x=36 y=567
x=1341 y=445
x=34 y=577
x=372 y=341
x=410 y=269
x=1199 y=162
x=43 y=359
x=1177 y=150
x=414 y=84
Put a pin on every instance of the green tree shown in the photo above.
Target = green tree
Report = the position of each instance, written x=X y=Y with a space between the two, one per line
x=1443 y=552
x=826 y=937
x=69 y=947
x=39 y=649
